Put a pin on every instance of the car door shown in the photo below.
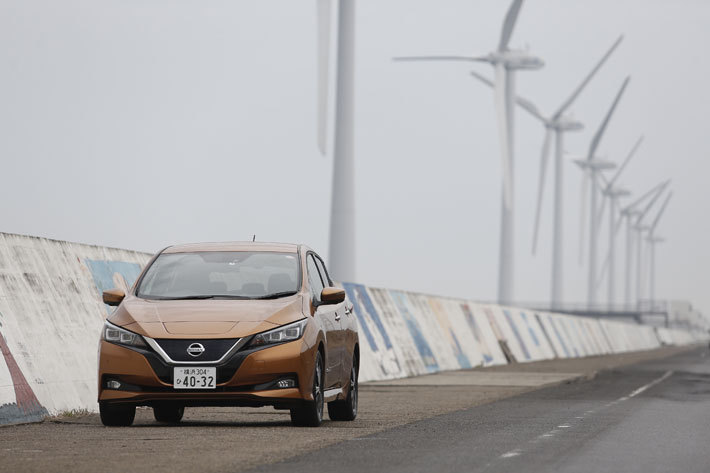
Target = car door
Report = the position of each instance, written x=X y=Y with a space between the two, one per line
x=326 y=314
x=341 y=327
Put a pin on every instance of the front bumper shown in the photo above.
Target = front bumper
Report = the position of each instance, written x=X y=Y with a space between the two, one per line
x=247 y=378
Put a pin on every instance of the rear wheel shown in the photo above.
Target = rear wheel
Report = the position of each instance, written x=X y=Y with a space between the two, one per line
x=347 y=408
x=168 y=414
x=116 y=415
x=310 y=414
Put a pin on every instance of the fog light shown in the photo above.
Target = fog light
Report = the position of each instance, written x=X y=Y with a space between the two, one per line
x=286 y=383
x=113 y=384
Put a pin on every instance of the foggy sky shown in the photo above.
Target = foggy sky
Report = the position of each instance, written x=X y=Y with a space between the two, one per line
x=140 y=124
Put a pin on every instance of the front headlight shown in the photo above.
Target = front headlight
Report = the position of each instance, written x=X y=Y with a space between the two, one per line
x=287 y=333
x=121 y=336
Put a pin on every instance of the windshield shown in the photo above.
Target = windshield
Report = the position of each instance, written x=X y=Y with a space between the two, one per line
x=221 y=274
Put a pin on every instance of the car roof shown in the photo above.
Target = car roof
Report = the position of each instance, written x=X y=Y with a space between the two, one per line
x=233 y=246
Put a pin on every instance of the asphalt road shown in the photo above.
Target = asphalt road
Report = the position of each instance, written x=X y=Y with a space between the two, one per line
x=650 y=417
x=495 y=419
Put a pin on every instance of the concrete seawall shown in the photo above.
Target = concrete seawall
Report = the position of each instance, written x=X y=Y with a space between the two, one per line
x=51 y=315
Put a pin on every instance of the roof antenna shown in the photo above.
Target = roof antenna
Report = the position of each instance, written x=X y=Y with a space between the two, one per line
x=253 y=238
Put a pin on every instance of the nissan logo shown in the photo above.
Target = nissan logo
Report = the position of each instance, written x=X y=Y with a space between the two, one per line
x=196 y=349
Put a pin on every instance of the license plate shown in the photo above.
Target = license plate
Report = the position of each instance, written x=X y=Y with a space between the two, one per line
x=194 y=378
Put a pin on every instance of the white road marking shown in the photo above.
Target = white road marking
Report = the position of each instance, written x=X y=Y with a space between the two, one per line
x=553 y=432
x=512 y=453
x=651 y=384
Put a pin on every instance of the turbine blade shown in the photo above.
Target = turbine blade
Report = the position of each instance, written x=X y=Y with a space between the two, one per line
x=602 y=128
x=660 y=213
x=653 y=200
x=442 y=58
x=619 y=223
x=324 y=29
x=541 y=185
x=600 y=215
x=603 y=182
x=525 y=104
x=503 y=120
x=583 y=213
x=586 y=80
x=645 y=196
x=483 y=79
x=626 y=162
x=605 y=268
x=509 y=24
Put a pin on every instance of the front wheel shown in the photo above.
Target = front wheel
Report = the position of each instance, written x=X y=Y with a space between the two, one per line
x=346 y=409
x=116 y=415
x=310 y=414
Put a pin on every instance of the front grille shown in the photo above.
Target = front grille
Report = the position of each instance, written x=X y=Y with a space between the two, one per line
x=214 y=349
x=225 y=370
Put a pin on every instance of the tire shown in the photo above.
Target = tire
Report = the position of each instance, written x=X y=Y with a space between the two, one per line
x=116 y=415
x=310 y=414
x=168 y=414
x=346 y=409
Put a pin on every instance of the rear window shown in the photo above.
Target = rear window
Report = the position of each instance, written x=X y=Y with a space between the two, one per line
x=221 y=274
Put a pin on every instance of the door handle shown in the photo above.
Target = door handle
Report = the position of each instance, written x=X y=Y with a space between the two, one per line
x=337 y=316
x=348 y=311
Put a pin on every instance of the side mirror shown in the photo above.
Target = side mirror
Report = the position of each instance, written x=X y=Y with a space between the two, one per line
x=113 y=296
x=332 y=295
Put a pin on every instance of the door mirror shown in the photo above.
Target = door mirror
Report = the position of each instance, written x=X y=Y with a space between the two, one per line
x=332 y=295
x=113 y=296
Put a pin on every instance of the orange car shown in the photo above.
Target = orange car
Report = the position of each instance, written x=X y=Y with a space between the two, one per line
x=230 y=324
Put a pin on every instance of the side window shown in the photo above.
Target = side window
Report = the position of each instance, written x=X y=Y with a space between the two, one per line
x=323 y=273
x=314 y=280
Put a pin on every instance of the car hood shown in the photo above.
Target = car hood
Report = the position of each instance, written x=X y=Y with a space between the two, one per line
x=205 y=318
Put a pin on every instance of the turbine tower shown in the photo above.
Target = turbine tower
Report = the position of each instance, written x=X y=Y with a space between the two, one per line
x=341 y=253
x=629 y=214
x=653 y=240
x=505 y=62
x=613 y=193
x=593 y=167
x=556 y=124
x=640 y=227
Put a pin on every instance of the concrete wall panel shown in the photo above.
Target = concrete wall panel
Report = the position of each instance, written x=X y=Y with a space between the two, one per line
x=483 y=334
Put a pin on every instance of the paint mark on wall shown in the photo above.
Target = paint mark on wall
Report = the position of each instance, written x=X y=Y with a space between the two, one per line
x=546 y=335
x=514 y=328
x=112 y=275
x=477 y=334
x=26 y=408
x=530 y=329
x=415 y=331
x=449 y=332
x=375 y=332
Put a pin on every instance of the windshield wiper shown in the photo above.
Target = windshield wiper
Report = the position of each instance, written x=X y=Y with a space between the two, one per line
x=276 y=295
x=202 y=297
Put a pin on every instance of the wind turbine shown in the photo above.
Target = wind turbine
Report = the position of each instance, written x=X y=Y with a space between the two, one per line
x=341 y=252
x=505 y=62
x=653 y=240
x=613 y=192
x=629 y=213
x=593 y=167
x=556 y=124
x=640 y=228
